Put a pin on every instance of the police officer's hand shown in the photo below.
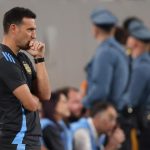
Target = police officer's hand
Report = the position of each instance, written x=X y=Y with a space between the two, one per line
x=37 y=49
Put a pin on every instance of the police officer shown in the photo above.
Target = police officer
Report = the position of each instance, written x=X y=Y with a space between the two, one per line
x=107 y=72
x=21 y=87
x=138 y=90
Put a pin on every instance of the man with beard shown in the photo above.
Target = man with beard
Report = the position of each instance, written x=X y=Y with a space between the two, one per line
x=21 y=87
x=102 y=120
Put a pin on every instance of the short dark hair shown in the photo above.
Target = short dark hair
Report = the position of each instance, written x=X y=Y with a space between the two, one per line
x=105 y=27
x=66 y=90
x=49 y=107
x=15 y=16
x=100 y=107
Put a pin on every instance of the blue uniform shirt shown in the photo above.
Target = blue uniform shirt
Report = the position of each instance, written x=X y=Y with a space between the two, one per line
x=139 y=87
x=107 y=73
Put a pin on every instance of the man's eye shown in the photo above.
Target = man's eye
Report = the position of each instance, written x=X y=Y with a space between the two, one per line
x=31 y=29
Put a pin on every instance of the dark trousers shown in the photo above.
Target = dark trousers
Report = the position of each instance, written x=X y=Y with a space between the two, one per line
x=127 y=143
x=127 y=124
x=144 y=139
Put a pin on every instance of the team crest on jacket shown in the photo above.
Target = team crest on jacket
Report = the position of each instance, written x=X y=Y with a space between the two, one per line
x=27 y=68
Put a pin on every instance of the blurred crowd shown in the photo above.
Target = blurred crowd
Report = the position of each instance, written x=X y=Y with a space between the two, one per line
x=111 y=108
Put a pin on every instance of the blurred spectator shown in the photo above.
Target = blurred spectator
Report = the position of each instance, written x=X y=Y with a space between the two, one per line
x=107 y=72
x=75 y=107
x=74 y=102
x=103 y=120
x=54 y=111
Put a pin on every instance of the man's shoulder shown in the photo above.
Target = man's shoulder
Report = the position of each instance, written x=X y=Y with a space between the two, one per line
x=116 y=48
x=6 y=57
x=143 y=63
x=142 y=69
x=24 y=57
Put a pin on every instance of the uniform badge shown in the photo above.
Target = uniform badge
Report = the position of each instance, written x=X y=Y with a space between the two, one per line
x=27 y=68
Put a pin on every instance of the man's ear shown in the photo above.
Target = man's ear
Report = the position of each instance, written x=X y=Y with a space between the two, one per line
x=13 y=28
x=97 y=31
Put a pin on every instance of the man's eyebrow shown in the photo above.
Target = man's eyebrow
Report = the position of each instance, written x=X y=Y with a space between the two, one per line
x=32 y=28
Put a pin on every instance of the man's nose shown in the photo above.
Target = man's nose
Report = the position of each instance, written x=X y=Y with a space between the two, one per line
x=33 y=35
